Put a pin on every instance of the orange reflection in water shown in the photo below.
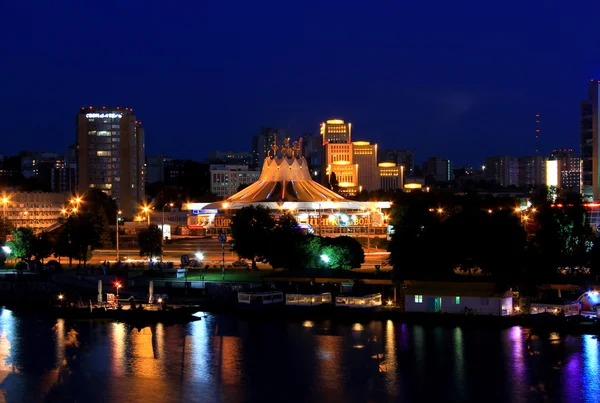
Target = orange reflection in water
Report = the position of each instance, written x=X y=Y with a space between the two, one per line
x=229 y=350
x=119 y=359
x=329 y=367
x=7 y=324
x=143 y=360
x=391 y=360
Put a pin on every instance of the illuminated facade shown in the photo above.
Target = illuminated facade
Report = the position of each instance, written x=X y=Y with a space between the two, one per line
x=391 y=176
x=35 y=210
x=365 y=157
x=285 y=185
x=338 y=155
x=589 y=136
x=568 y=168
x=110 y=155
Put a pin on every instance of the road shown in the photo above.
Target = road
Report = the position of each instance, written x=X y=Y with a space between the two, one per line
x=211 y=249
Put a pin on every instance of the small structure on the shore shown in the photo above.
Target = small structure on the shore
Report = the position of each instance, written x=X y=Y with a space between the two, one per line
x=555 y=306
x=458 y=298
x=262 y=297
x=307 y=299
x=370 y=301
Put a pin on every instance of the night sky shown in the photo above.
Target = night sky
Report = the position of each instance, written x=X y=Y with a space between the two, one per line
x=460 y=79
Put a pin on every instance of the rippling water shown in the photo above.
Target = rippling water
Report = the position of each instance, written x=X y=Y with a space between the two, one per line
x=227 y=359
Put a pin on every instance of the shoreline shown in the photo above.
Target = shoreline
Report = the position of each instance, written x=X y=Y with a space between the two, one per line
x=42 y=305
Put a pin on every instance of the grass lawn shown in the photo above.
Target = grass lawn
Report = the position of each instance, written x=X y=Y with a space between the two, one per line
x=230 y=275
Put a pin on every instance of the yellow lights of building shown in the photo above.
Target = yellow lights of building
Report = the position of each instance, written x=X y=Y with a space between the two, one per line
x=386 y=164
x=335 y=122
x=391 y=176
x=361 y=143
x=552 y=173
x=413 y=186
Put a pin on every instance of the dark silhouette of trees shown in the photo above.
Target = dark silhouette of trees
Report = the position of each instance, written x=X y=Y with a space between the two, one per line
x=250 y=229
x=150 y=241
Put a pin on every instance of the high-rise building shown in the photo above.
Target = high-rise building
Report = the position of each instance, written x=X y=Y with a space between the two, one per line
x=365 y=156
x=564 y=168
x=337 y=155
x=532 y=171
x=504 y=170
x=311 y=148
x=439 y=169
x=110 y=155
x=225 y=180
x=391 y=176
x=590 y=144
x=262 y=144
x=406 y=158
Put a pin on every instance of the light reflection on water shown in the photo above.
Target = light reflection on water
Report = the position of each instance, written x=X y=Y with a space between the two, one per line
x=229 y=359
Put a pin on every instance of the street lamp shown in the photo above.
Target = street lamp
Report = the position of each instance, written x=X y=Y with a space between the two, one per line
x=325 y=259
x=199 y=256
x=117 y=286
x=146 y=210
x=5 y=201
x=118 y=214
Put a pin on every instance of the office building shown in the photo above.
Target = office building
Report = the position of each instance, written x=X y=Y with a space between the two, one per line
x=337 y=156
x=439 y=169
x=110 y=155
x=225 y=180
x=391 y=176
x=405 y=158
x=35 y=210
x=563 y=170
x=364 y=154
x=311 y=148
x=503 y=170
x=589 y=136
x=262 y=144
x=532 y=171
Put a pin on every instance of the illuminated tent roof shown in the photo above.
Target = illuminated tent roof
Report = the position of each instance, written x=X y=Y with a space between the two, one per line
x=285 y=179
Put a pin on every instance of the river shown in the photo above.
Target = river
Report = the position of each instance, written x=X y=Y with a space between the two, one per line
x=229 y=359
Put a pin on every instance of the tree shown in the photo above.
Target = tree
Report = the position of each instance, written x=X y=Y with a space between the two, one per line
x=282 y=250
x=23 y=244
x=101 y=224
x=43 y=246
x=79 y=236
x=150 y=241
x=344 y=252
x=334 y=184
x=250 y=230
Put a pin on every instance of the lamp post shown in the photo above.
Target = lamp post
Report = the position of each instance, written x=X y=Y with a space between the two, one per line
x=5 y=201
x=118 y=214
x=146 y=210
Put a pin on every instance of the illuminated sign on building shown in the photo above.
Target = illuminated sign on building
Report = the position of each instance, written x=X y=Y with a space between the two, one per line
x=110 y=115
x=552 y=173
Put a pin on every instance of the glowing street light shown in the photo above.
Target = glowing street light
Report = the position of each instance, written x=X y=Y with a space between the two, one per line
x=6 y=250
x=199 y=255
x=146 y=209
x=325 y=258
x=5 y=201
x=61 y=297
x=117 y=286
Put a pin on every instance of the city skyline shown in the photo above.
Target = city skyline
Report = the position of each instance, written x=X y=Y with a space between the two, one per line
x=461 y=87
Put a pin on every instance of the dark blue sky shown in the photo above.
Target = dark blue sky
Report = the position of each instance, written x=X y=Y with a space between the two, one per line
x=459 y=79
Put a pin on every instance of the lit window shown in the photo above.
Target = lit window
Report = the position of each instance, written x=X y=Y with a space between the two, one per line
x=457 y=300
x=418 y=299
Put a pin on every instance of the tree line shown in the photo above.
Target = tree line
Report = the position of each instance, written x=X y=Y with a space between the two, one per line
x=259 y=236
x=439 y=235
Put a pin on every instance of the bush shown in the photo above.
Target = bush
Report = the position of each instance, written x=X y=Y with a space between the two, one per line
x=54 y=265
x=21 y=265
